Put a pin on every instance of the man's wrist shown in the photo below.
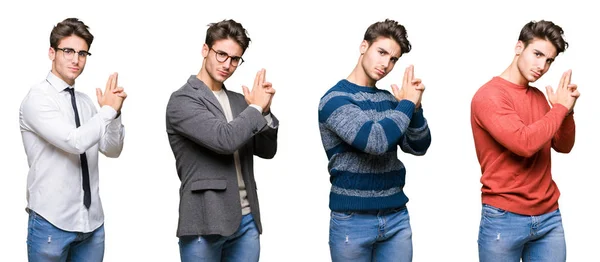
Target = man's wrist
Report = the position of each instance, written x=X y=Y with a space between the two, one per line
x=259 y=108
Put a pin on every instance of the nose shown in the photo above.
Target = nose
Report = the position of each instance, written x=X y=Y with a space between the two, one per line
x=227 y=63
x=541 y=64
x=75 y=58
x=385 y=62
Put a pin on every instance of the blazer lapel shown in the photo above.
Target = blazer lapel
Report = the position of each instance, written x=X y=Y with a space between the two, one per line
x=236 y=106
x=206 y=94
x=211 y=98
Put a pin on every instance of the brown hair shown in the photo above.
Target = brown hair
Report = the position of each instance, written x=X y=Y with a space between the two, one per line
x=544 y=30
x=227 y=29
x=68 y=27
x=391 y=29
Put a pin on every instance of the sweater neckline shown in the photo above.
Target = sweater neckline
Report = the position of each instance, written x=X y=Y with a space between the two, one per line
x=509 y=83
x=348 y=84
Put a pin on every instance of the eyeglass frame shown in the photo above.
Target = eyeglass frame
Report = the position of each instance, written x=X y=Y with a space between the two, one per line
x=238 y=58
x=79 y=53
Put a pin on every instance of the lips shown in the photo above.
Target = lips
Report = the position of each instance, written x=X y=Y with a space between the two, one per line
x=379 y=71
x=223 y=73
x=536 y=74
x=74 y=69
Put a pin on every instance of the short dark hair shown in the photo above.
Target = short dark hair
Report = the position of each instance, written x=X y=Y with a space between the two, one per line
x=391 y=29
x=68 y=27
x=227 y=29
x=544 y=30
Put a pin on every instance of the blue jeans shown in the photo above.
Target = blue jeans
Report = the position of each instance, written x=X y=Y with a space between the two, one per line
x=47 y=243
x=243 y=245
x=370 y=236
x=506 y=236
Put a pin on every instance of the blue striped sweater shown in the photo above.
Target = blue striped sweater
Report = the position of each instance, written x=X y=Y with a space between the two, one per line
x=361 y=129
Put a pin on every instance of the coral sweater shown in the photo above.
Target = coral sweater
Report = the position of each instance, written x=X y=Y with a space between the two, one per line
x=513 y=129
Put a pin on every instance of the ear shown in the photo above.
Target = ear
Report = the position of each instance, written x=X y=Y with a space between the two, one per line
x=364 y=45
x=51 y=53
x=205 y=50
x=519 y=47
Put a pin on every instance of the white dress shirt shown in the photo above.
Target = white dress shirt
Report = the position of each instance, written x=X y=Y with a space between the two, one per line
x=53 y=144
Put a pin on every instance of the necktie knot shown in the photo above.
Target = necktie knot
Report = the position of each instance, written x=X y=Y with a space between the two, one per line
x=70 y=90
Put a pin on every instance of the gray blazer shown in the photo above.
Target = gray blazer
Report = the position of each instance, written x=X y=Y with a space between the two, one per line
x=203 y=143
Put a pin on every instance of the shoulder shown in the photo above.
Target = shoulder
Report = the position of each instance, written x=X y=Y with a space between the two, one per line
x=40 y=93
x=336 y=92
x=490 y=91
x=184 y=91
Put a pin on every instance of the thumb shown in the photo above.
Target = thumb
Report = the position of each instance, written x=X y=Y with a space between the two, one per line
x=549 y=91
x=245 y=90
x=99 y=95
x=395 y=88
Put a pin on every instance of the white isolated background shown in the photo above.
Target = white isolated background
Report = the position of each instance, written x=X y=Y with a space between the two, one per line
x=306 y=47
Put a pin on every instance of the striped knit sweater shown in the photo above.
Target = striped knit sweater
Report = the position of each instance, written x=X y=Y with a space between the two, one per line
x=361 y=129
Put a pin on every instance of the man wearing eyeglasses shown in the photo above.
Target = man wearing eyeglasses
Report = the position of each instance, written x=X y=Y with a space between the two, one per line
x=62 y=134
x=214 y=134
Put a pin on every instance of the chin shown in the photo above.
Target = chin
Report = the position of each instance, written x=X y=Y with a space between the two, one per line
x=222 y=79
x=533 y=79
x=376 y=77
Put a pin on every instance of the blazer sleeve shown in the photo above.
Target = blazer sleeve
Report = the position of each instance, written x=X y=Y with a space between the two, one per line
x=265 y=142
x=189 y=116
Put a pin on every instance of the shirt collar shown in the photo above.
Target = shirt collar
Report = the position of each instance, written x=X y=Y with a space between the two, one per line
x=57 y=83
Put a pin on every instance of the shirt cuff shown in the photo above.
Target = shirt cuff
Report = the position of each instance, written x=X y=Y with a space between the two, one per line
x=115 y=124
x=259 y=108
x=107 y=113
x=269 y=119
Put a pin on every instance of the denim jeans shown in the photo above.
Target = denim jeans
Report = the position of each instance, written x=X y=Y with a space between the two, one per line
x=47 y=243
x=506 y=236
x=370 y=236
x=243 y=245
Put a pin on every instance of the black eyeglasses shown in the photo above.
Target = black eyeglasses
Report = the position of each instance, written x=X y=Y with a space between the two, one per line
x=69 y=52
x=222 y=57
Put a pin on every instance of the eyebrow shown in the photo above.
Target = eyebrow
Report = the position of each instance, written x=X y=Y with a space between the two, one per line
x=221 y=51
x=74 y=49
x=387 y=53
x=538 y=51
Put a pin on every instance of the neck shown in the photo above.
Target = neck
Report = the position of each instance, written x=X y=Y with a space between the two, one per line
x=513 y=74
x=209 y=81
x=360 y=77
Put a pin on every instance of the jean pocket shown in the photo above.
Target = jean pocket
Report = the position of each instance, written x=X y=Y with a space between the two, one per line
x=341 y=215
x=491 y=211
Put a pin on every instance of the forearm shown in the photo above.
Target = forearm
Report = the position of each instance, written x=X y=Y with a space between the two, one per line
x=191 y=119
x=502 y=122
x=265 y=143
x=111 y=143
x=49 y=122
x=564 y=140
x=360 y=131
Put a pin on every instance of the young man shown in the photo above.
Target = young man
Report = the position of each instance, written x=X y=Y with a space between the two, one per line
x=361 y=129
x=62 y=133
x=514 y=129
x=214 y=134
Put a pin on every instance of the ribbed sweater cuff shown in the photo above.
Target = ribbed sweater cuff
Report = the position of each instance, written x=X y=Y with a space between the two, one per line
x=407 y=107
x=417 y=119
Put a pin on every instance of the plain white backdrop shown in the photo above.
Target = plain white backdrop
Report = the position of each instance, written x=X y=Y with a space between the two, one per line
x=306 y=47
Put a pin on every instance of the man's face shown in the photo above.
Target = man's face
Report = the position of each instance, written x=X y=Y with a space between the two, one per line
x=535 y=59
x=221 y=59
x=380 y=57
x=67 y=60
